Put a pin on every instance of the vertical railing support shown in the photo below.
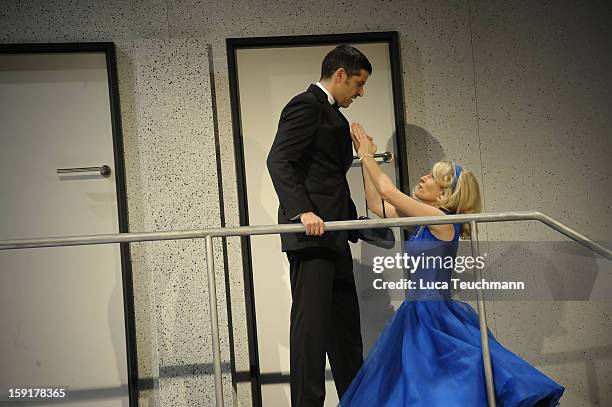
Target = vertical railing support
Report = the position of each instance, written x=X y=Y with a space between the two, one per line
x=482 y=316
x=214 y=320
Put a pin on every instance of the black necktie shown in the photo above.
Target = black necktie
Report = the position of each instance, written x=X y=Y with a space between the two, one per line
x=336 y=106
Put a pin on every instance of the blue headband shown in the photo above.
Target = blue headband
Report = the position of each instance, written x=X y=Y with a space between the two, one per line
x=456 y=178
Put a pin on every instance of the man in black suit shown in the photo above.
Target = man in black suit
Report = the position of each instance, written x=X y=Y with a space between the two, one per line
x=308 y=162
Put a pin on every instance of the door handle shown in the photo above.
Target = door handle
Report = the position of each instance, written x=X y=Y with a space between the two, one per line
x=387 y=156
x=104 y=170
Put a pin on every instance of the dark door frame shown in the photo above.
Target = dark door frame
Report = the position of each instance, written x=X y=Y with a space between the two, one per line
x=108 y=48
x=232 y=45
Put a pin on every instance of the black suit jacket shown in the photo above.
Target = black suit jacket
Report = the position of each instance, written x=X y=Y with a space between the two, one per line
x=308 y=162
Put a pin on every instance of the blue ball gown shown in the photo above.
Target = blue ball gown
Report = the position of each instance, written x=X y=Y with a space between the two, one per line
x=429 y=354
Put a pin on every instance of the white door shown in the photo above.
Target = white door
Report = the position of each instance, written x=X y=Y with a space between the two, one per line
x=61 y=309
x=268 y=78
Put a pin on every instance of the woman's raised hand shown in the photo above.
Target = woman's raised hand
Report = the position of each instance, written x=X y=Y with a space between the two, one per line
x=363 y=143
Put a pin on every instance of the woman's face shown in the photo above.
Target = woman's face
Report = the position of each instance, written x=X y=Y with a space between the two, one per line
x=428 y=190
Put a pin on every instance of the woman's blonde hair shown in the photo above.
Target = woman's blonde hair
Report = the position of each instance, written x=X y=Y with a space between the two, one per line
x=465 y=198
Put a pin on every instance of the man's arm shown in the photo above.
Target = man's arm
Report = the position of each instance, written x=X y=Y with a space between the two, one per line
x=296 y=130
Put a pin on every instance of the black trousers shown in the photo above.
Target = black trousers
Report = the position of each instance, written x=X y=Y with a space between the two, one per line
x=324 y=319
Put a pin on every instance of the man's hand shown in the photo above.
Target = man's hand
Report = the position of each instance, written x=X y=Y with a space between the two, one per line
x=314 y=224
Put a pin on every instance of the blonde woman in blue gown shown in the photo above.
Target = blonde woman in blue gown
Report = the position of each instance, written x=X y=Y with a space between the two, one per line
x=429 y=354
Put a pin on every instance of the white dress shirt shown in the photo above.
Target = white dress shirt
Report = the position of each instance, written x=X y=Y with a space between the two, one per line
x=330 y=98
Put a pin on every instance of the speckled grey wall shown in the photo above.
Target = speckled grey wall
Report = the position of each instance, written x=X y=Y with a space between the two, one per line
x=517 y=91
x=170 y=151
x=543 y=86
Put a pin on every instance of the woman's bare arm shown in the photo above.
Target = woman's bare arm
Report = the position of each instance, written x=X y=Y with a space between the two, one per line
x=385 y=188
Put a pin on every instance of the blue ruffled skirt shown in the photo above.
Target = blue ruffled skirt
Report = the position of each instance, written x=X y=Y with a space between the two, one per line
x=429 y=355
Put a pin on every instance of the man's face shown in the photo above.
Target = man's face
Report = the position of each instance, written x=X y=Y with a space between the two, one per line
x=351 y=87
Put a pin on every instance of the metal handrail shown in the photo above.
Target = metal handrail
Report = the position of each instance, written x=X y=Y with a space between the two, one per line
x=208 y=234
x=329 y=226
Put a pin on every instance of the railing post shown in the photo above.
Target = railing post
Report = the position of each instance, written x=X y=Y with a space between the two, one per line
x=214 y=320
x=482 y=316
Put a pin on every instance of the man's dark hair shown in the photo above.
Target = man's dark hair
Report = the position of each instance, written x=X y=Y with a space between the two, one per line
x=347 y=57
